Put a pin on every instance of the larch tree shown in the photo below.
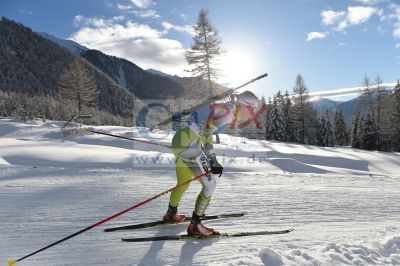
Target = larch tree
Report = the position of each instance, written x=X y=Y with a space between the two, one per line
x=77 y=85
x=383 y=121
x=205 y=50
x=378 y=113
x=367 y=100
x=303 y=115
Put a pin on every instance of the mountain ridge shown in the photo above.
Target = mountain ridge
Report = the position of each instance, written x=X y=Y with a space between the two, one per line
x=32 y=64
x=72 y=46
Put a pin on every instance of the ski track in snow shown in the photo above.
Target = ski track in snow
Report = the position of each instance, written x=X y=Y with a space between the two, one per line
x=342 y=211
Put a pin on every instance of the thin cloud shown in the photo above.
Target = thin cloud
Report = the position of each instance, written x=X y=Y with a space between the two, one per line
x=330 y=17
x=371 y=2
x=146 y=13
x=184 y=16
x=124 y=7
x=25 y=12
x=142 y=3
x=315 y=35
x=396 y=19
x=188 y=29
x=80 y=20
x=139 y=43
x=143 y=12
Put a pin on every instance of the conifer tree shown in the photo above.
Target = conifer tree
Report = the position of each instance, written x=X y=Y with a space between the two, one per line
x=367 y=99
x=361 y=132
x=340 y=131
x=267 y=117
x=280 y=99
x=276 y=126
x=205 y=50
x=382 y=120
x=326 y=131
x=287 y=110
x=264 y=118
x=77 y=84
x=355 y=131
x=370 y=136
x=395 y=116
x=303 y=115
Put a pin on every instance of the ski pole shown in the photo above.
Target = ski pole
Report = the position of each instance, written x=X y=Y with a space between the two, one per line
x=127 y=138
x=12 y=262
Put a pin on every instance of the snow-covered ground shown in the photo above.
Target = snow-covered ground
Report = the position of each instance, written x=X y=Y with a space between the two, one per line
x=343 y=203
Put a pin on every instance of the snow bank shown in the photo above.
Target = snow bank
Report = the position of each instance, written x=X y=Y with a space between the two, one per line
x=42 y=143
x=386 y=252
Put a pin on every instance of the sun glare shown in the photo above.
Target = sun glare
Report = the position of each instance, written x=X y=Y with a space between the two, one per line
x=236 y=67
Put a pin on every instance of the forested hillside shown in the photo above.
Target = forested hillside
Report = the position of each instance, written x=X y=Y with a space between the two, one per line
x=143 y=84
x=32 y=65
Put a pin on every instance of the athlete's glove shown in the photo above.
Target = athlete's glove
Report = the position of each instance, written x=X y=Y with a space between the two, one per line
x=216 y=168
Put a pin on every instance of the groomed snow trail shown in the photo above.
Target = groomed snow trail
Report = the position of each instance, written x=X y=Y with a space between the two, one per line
x=338 y=218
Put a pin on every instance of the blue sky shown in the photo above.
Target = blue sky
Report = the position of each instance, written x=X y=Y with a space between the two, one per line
x=333 y=44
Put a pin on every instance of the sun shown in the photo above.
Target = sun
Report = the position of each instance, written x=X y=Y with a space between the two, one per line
x=236 y=67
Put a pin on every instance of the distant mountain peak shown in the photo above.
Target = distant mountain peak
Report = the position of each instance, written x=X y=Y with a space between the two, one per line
x=160 y=73
x=72 y=46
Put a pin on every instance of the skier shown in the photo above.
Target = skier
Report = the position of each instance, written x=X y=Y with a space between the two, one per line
x=193 y=150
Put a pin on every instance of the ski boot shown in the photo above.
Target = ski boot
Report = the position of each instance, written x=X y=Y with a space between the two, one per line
x=196 y=228
x=172 y=217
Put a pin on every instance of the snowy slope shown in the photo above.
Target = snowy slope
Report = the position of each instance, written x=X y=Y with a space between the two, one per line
x=343 y=203
x=72 y=46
